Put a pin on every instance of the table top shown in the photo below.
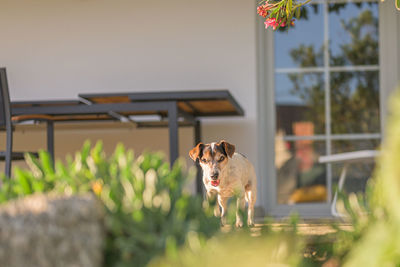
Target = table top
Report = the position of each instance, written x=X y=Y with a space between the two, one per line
x=146 y=107
x=199 y=103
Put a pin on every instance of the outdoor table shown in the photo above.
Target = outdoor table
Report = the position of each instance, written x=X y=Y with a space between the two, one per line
x=174 y=109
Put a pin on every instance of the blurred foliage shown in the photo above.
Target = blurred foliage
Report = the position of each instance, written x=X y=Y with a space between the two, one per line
x=374 y=237
x=244 y=247
x=147 y=206
x=379 y=243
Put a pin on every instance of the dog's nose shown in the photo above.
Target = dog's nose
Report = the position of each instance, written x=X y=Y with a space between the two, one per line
x=214 y=176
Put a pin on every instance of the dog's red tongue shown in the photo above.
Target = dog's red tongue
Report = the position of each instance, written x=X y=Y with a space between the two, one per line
x=215 y=182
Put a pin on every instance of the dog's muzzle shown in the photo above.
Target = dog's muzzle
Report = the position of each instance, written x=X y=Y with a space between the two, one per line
x=214 y=179
x=214 y=176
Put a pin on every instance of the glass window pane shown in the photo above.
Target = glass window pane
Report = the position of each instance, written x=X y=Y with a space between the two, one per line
x=355 y=102
x=358 y=172
x=300 y=104
x=300 y=178
x=353 y=31
x=301 y=45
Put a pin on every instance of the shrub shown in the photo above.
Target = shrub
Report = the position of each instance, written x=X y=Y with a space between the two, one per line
x=146 y=204
x=237 y=248
x=375 y=218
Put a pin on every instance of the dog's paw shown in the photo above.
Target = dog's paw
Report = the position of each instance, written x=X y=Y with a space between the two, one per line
x=217 y=212
x=223 y=221
x=250 y=223
x=239 y=224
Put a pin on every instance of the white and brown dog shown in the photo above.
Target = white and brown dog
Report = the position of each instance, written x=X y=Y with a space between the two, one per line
x=227 y=174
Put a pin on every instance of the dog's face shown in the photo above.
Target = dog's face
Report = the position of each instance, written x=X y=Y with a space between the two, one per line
x=213 y=158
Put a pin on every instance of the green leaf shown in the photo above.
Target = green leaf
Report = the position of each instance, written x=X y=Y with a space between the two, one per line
x=38 y=186
x=23 y=181
x=289 y=8
x=298 y=13
x=398 y=4
x=47 y=163
x=34 y=165
x=85 y=150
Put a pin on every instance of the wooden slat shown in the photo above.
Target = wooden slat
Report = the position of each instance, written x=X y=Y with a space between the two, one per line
x=31 y=117
x=185 y=107
x=110 y=99
x=213 y=106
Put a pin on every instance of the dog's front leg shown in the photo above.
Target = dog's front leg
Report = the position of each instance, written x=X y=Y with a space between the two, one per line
x=223 y=202
x=211 y=197
x=240 y=205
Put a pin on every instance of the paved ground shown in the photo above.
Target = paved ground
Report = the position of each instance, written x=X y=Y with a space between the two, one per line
x=312 y=227
x=309 y=227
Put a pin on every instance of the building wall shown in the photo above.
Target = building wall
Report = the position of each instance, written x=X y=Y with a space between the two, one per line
x=57 y=49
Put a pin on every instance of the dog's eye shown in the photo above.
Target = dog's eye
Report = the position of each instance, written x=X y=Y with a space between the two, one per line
x=204 y=160
x=221 y=159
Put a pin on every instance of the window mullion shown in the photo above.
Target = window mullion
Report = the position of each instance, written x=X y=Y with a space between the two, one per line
x=327 y=101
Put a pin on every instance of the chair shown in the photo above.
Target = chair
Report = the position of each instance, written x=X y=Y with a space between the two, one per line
x=6 y=123
x=346 y=158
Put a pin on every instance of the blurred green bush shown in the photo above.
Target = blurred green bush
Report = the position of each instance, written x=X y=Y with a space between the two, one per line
x=147 y=206
x=236 y=249
x=375 y=217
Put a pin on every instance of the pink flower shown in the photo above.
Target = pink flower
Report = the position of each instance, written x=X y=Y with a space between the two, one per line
x=271 y=22
x=263 y=10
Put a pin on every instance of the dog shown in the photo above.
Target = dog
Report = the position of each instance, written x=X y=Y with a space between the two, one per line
x=227 y=174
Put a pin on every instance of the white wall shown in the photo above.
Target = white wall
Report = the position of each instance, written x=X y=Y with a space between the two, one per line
x=56 y=49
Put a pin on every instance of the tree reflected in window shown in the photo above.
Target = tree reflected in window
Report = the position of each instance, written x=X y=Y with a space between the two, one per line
x=346 y=73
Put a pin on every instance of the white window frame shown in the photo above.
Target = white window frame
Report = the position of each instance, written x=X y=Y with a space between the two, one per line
x=389 y=74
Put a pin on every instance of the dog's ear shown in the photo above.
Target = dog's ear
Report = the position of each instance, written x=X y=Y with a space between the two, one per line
x=229 y=148
x=196 y=152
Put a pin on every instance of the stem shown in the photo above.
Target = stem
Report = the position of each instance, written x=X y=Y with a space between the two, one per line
x=301 y=4
x=274 y=4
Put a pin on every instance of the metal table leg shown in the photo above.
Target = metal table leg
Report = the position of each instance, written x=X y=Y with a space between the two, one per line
x=173 y=132
x=197 y=139
x=50 y=139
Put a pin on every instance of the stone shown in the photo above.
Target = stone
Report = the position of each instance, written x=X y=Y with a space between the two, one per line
x=52 y=230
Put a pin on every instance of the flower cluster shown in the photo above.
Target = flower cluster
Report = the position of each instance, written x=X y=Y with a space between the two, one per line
x=278 y=13
x=272 y=22
x=263 y=9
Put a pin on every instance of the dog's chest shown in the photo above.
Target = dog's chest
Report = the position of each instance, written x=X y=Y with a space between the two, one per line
x=227 y=188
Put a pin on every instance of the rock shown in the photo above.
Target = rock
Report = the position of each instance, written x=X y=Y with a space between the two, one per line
x=43 y=230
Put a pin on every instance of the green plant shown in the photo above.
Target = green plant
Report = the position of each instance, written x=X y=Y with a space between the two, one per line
x=281 y=13
x=147 y=206
x=373 y=239
x=237 y=248
x=379 y=246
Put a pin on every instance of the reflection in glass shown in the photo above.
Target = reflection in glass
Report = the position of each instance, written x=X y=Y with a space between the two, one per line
x=299 y=100
x=358 y=172
x=355 y=102
x=350 y=80
x=303 y=41
x=300 y=178
x=353 y=30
